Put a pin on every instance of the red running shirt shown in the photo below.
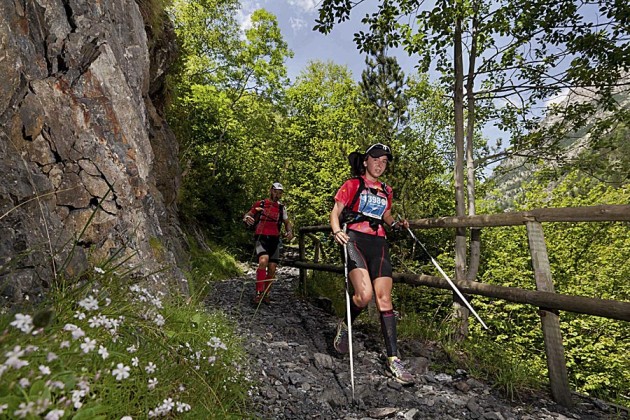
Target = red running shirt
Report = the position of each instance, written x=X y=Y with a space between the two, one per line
x=268 y=217
x=368 y=203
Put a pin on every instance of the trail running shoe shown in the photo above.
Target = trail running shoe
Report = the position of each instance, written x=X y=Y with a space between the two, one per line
x=258 y=297
x=267 y=298
x=398 y=370
x=341 y=338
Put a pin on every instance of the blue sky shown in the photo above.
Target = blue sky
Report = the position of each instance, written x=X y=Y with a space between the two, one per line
x=297 y=18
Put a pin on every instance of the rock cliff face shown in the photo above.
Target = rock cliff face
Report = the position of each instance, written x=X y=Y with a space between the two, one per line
x=79 y=130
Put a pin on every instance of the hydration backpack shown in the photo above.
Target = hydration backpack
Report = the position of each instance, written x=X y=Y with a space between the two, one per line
x=349 y=216
x=260 y=213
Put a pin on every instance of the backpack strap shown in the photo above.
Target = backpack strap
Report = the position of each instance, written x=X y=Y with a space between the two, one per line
x=357 y=194
x=280 y=213
x=349 y=216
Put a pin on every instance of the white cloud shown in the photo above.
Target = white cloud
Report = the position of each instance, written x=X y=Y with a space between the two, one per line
x=293 y=11
x=244 y=15
x=297 y=23
x=304 y=5
x=245 y=20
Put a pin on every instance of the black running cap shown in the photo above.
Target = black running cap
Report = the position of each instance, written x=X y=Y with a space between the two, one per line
x=379 y=149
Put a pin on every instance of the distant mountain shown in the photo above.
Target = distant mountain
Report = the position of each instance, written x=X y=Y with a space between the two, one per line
x=601 y=148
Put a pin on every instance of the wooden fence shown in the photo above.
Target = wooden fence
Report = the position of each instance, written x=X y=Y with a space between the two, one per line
x=544 y=297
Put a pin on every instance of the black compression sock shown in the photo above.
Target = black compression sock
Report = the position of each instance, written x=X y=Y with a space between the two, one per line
x=388 y=327
x=355 y=311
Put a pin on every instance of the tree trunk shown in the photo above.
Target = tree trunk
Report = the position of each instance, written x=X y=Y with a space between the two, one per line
x=475 y=234
x=459 y=315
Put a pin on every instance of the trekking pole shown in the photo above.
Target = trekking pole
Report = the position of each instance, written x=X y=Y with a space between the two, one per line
x=450 y=282
x=345 y=268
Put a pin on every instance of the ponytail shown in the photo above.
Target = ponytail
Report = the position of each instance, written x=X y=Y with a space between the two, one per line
x=356 y=163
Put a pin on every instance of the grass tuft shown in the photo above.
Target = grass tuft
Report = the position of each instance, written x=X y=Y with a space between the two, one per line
x=111 y=348
x=505 y=366
x=208 y=265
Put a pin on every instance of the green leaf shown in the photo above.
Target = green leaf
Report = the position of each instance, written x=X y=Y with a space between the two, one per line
x=39 y=389
x=91 y=412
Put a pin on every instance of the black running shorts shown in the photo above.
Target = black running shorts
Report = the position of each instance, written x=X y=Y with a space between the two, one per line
x=369 y=252
x=268 y=245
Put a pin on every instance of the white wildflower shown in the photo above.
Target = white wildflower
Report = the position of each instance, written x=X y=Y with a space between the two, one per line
x=23 y=323
x=152 y=383
x=103 y=352
x=99 y=270
x=55 y=384
x=79 y=315
x=216 y=343
x=64 y=344
x=89 y=303
x=76 y=331
x=157 y=302
x=16 y=352
x=3 y=407
x=182 y=407
x=135 y=361
x=24 y=410
x=54 y=414
x=84 y=385
x=94 y=322
x=168 y=405
x=88 y=345
x=121 y=372
x=31 y=348
x=150 y=368
x=159 y=320
x=77 y=395
x=44 y=370
x=41 y=405
x=13 y=358
x=132 y=349
x=24 y=383
x=51 y=356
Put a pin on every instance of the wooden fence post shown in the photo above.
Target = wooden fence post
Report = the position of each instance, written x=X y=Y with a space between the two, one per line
x=303 y=259
x=554 y=349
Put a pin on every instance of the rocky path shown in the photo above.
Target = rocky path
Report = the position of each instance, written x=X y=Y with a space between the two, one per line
x=300 y=376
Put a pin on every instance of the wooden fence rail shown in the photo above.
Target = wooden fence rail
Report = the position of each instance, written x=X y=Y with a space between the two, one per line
x=605 y=308
x=544 y=297
x=611 y=213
